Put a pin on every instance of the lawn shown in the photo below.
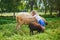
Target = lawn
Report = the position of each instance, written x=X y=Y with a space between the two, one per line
x=8 y=31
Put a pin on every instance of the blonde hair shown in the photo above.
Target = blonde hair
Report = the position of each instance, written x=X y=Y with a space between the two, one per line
x=33 y=11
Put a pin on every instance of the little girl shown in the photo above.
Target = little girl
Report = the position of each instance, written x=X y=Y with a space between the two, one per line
x=39 y=19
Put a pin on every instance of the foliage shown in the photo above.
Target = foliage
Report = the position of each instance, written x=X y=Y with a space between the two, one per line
x=9 y=5
x=52 y=5
x=26 y=5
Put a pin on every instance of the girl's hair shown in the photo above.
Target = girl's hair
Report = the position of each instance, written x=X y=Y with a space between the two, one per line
x=33 y=11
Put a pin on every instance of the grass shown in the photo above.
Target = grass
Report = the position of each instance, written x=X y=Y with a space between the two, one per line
x=8 y=31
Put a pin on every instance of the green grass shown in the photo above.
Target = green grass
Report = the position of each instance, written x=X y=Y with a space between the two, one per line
x=8 y=31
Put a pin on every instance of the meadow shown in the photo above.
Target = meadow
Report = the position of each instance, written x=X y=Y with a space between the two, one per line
x=8 y=30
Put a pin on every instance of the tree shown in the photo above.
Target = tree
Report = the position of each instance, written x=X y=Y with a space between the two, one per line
x=31 y=3
x=52 y=5
x=57 y=6
x=10 y=6
x=46 y=5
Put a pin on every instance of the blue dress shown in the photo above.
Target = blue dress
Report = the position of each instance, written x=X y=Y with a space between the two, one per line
x=41 y=22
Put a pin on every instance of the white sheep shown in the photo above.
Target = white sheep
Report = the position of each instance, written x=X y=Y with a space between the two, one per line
x=25 y=18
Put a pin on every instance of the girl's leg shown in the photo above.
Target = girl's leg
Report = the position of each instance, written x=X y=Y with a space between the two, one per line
x=38 y=25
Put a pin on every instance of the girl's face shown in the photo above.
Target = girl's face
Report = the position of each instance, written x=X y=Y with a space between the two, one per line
x=33 y=13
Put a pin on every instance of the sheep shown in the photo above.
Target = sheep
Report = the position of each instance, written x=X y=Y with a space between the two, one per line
x=35 y=27
x=24 y=18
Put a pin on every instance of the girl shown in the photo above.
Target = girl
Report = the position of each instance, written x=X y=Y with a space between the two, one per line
x=39 y=19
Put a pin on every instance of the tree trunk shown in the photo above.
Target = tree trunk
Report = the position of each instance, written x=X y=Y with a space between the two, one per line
x=59 y=13
x=1 y=11
x=13 y=15
x=50 y=11
x=45 y=11
x=31 y=7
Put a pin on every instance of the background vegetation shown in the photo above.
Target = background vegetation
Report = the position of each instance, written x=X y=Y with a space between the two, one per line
x=29 y=5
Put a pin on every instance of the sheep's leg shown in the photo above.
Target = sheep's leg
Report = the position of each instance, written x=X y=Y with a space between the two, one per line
x=31 y=32
x=18 y=23
x=17 y=26
x=39 y=30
